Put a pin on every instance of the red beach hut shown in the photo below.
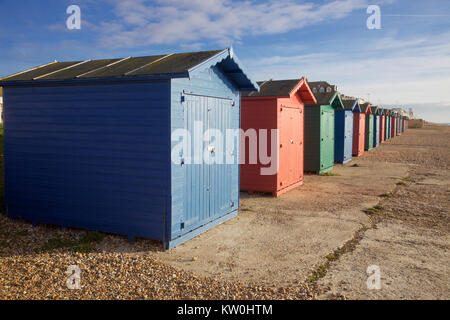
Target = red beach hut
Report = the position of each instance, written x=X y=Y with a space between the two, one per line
x=382 y=125
x=278 y=105
x=393 y=124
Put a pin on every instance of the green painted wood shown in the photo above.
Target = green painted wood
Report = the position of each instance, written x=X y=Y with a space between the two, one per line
x=368 y=145
x=327 y=139
x=312 y=138
x=319 y=138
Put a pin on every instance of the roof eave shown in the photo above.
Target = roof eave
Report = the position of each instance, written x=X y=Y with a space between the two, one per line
x=338 y=96
x=247 y=85
x=356 y=107
x=164 y=76
x=298 y=87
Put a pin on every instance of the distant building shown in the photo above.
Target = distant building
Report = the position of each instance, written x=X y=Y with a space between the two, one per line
x=322 y=87
x=401 y=112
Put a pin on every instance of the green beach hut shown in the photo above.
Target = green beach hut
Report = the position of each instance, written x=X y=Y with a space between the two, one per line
x=319 y=127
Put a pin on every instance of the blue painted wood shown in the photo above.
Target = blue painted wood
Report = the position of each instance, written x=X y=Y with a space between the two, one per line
x=98 y=155
x=195 y=232
x=376 y=130
x=92 y=157
x=343 y=142
x=388 y=125
x=209 y=88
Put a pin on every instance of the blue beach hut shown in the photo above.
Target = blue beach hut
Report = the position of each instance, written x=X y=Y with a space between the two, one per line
x=90 y=144
x=376 y=126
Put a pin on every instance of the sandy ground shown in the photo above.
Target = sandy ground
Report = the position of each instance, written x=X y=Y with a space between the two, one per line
x=411 y=243
x=278 y=241
x=275 y=247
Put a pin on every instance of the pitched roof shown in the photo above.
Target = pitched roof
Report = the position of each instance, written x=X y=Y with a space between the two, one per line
x=158 y=64
x=275 y=88
x=365 y=108
x=375 y=110
x=324 y=98
x=351 y=104
x=166 y=65
x=283 y=88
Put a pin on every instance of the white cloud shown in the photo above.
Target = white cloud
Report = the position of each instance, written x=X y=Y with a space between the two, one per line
x=414 y=72
x=171 y=21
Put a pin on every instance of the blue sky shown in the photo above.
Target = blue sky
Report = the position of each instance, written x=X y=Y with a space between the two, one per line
x=406 y=63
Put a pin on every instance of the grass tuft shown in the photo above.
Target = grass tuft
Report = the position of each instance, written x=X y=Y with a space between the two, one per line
x=386 y=195
x=83 y=248
x=349 y=246
x=56 y=243
x=320 y=272
x=355 y=165
x=84 y=245
x=329 y=174
x=375 y=210
x=92 y=236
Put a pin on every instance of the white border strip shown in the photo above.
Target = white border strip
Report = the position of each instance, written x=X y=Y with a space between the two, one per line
x=148 y=64
x=66 y=68
x=35 y=68
x=104 y=67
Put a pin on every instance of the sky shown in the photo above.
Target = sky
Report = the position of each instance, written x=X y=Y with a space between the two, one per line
x=406 y=63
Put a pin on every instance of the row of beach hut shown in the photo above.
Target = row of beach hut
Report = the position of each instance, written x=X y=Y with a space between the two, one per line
x=318 y=127
x=90 y=144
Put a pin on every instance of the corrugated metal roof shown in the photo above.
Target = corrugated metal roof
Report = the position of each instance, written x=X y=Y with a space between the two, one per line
x=106 y=68
x=274 y=88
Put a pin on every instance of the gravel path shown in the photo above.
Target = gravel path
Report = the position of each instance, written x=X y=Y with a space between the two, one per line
x=31 y=269
x=119 y=270
x=411 y=242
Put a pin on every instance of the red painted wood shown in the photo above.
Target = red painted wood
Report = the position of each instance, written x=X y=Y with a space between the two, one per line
x=393 y=126
x=287 y=115
x=382 y=129
x=359 y=127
